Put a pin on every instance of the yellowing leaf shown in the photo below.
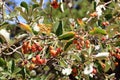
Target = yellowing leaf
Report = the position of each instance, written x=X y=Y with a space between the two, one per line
x=25 y=27
x=45 y=28
x=81 y=23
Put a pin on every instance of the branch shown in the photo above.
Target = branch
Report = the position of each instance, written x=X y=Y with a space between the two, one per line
x=14 y=50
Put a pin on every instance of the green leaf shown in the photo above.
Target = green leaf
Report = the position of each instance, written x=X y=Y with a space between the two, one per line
x=99 y=22
x=76 y=57
x=94 y=5
x=67 y=35
x=108 y=66
x=24 y=4
x=62 y=63
x=16 y=70
x=99 y=67
x=3 y=25
x=35 y=6
x=23 y=72
x=68 y=44
x=13 y=66
x=2 y=62
x=108 y=16
x=59 y=29
x=98 y=31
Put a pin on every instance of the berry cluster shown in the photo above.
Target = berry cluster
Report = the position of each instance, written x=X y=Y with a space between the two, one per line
x=27 y=47
x=80 y=43
x=38 y=61
x=54 y=52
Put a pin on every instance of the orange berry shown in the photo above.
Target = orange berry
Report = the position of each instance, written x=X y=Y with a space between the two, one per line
x=75 y=41
x=94 y=14
x=82 y=43
x=22 y=64
x=117 y=50
x=32 y=66
x=116 y=63
x=53 y=53
x=76 y=36
x=87 y=45
x=81 y=38
x=79 y=47
x=103 y=65
x=51 y=47
x=87 y=42
x=117 y=56
x=105 y=23
x=26 y=47
x=34 y=60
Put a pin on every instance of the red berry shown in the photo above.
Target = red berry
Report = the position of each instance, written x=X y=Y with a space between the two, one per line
x=59 y=50
x=54 y=4
x=40 y=48
x=94 y=71
x=75 y=41
x=117 y=50
x=34 y=48
x=74 y=72
x=103 y=38
x=37 y=57
x=42 y=61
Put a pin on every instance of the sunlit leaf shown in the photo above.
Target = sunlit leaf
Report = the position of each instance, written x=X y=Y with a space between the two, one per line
x=67 y=35
x=98 y=31
x=108 y=66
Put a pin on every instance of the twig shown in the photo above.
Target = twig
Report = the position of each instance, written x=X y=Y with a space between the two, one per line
x=14 y=50
x=107 y=3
